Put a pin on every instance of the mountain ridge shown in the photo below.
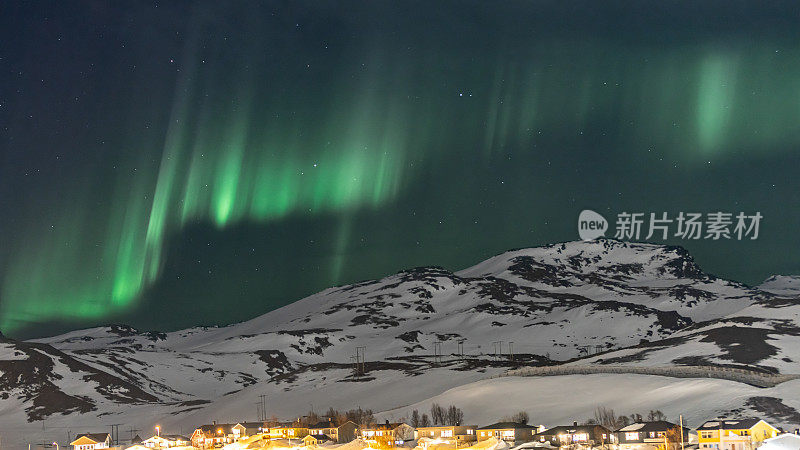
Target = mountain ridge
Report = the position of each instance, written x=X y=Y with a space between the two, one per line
x=592 y=303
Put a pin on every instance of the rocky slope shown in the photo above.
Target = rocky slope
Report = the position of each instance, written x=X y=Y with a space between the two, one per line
x=599 y=302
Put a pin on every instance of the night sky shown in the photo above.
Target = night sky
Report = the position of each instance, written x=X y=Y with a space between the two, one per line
x=174 y=164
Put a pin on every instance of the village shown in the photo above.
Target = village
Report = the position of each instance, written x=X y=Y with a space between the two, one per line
x=442 y=429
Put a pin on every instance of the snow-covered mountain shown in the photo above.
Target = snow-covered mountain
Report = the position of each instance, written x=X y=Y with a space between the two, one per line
x=422 y=331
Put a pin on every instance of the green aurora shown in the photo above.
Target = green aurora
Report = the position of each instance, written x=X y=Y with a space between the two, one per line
x=249 y=128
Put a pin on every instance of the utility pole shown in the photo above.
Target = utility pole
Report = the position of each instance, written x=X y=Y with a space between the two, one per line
x=511 y=350
x=437 y=351
x=497 y=344
x=115 y=433
x=361 y=356
x=681 y=425
x=364 y=359
x=263 y=398
x=461 y=348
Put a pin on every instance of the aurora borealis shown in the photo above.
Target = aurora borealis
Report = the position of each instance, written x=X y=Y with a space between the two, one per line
x=180 y=164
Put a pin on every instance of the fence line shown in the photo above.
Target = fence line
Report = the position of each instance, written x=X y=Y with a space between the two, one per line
x=752 y=377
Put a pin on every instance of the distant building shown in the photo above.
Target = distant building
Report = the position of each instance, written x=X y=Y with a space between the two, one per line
x=207 y=436
x=246 y=429
x=341 y=434
x=643 y=435
x=91 y=441
x=288 y=430
x=312 y=440
x=734 y=434
x=583 y=435
x=458 y=435
x=387 y=435
x=511 y=432
x=166 y=441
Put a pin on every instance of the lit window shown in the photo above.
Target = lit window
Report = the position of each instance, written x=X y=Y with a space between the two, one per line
x=580 y=437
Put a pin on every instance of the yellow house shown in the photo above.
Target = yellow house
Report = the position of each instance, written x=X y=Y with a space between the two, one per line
x=511 y=432
x=734 y=434
x=455 y=435
x=291 y=430
x=387 y=435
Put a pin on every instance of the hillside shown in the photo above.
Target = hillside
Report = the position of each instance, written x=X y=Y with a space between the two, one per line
x=601 y=303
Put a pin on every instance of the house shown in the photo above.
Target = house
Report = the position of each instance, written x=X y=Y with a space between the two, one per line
x=510 y=432
x=207 y=436
x=91 y=441
x=458 y=435
x=588 y=435
x=647 y=435
x=312 y=440
x=387 y=435
x=786 y=441
x=288 y=430
x=246 y=429
x=166 y=441
x=341 y=434
x=734 y=434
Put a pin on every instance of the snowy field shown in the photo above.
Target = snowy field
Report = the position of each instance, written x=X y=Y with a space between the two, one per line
x=560 y=400
x=549 y=401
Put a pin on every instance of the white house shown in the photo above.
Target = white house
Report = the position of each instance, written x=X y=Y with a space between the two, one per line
x=245 y=429
x=166 y=441
x=91 y=441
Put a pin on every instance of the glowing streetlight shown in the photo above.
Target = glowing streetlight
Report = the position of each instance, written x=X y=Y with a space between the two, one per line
x=158 y=430
x=56 y=444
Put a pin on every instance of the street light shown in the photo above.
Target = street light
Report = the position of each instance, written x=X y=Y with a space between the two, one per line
x=56 y=444
x=158 y=430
